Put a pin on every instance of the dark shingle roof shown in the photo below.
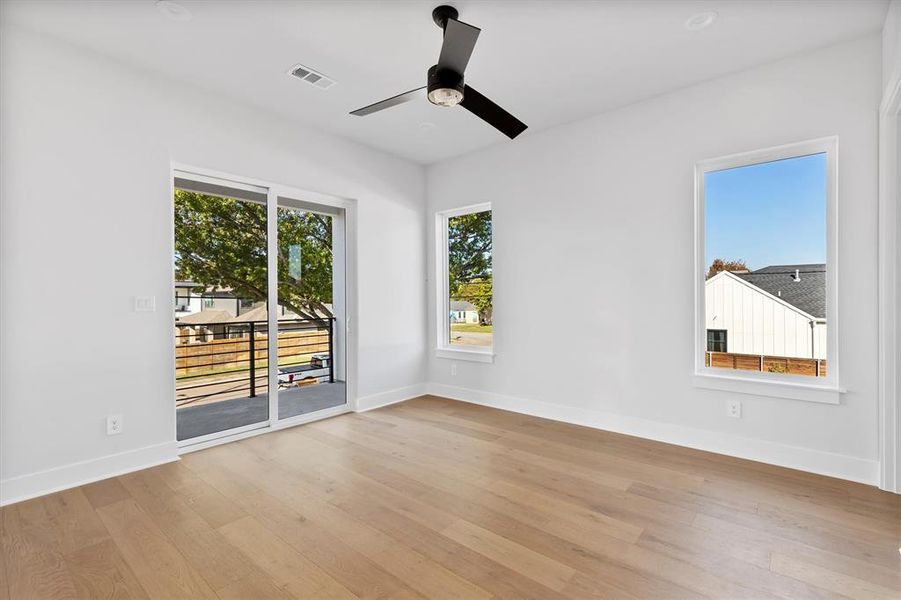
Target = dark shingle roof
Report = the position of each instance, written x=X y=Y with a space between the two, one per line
x=809 y=294
x=809 y=268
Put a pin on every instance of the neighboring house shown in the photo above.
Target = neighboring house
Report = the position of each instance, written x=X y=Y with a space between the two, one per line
x=212 y=317
x=259 y=313
x=188 y=301
x=206 y=317
x=463 y=312
x=201 y=326
x=779 y=310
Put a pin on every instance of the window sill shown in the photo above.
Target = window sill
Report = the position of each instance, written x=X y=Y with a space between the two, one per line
x=482 y=356
x=824 y=394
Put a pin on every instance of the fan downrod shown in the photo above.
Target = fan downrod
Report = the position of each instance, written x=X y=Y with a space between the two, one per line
x=442 y=13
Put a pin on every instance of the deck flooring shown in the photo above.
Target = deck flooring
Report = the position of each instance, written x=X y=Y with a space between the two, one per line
x=194 y=421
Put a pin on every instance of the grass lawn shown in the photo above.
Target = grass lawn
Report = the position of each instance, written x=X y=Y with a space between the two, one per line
x=472 y=328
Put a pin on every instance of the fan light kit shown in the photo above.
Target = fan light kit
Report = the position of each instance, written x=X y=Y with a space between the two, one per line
x=445 y=96
x=445 y=85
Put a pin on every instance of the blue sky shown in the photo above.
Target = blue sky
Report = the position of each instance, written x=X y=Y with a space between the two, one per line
x=767 y=214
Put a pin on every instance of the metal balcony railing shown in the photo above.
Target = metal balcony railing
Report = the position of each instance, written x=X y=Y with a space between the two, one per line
x=226 y=360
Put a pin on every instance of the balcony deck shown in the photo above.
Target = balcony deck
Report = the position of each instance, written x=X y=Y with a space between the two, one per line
x=196 y=420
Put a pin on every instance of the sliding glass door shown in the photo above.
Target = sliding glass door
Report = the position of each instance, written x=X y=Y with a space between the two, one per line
x=311 y=372
x=221 y=294
x=239 y=250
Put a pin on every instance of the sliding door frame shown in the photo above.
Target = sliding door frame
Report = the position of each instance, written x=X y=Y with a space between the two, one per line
x=274 y=191
x=889 y=263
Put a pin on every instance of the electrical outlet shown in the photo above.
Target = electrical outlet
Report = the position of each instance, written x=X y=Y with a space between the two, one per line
x=114 y=425
x=453 y=369
x=733 y=409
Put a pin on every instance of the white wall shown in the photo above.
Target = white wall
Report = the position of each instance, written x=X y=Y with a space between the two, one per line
x=593 y=221
x=758 y=323
x=891 y=43
x=86 y=225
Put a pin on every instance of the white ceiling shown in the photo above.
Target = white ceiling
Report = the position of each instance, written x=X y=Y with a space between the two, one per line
x=546 y=62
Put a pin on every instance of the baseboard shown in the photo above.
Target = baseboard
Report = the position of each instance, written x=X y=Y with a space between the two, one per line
x=390 y=397
x=782 y=455
x=25 y=487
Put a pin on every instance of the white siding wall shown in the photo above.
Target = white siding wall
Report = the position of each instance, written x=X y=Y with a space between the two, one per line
x=757 y=323
x=465 y=316
x=191 y=302
x=820 y=350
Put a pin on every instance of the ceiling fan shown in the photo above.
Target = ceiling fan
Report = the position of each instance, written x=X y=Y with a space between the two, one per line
x=445 y=85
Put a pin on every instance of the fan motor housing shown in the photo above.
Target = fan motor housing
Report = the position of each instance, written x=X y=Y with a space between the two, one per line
x=442 y=13
x=444 y=78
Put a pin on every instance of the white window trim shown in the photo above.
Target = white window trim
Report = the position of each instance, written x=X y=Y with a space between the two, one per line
x=442 y=293
x=797 y=387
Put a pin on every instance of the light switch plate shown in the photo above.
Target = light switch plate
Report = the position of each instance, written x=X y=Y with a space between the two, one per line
x=145 y=303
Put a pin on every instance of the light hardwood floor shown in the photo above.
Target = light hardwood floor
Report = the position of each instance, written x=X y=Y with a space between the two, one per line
x=440 y=499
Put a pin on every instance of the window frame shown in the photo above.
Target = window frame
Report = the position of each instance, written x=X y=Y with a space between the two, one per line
x=444 y=349
x=780 y=385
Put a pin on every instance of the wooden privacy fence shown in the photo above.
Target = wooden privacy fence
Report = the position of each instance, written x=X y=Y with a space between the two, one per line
x=811 y=367
x=227 y=354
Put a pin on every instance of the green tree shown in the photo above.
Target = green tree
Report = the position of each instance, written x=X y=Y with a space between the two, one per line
x=478 y=292
x=469 y=261
x=221 y=243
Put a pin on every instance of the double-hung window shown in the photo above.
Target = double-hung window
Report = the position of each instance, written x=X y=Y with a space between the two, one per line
x=765 y=272
x=464 y=291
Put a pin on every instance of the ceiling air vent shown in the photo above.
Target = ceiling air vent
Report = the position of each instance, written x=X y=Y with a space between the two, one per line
x=312 y=77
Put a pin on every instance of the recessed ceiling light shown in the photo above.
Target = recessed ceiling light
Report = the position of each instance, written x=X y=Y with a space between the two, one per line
x=701 y=20
x=173 y=10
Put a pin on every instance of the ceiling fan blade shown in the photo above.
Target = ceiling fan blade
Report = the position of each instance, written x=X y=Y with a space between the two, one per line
x=389 y=102
x=491 y=113
x=459 y=40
